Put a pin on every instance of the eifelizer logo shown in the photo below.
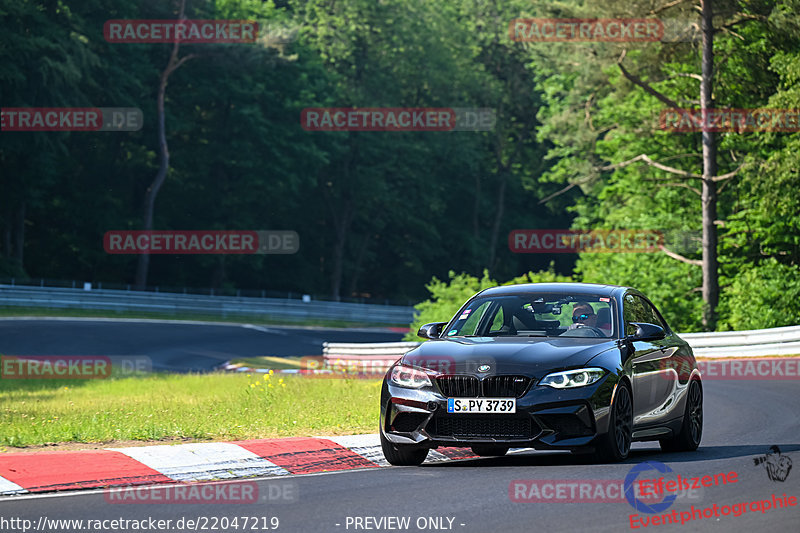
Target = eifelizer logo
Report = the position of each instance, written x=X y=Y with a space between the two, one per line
x=667 y=489
x=730 y=120
x=635 y=501
x=586 y=30
x=397 y=119
x=71 y=119
x=184 y=31
x=201 y=242
x=567 y=241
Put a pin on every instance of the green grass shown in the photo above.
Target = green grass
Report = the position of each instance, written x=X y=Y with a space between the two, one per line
x=267 y=320
x=215 y=406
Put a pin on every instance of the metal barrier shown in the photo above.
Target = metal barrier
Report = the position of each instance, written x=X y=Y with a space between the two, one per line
x=214 y=306
x=748 y=343
x=722 y=344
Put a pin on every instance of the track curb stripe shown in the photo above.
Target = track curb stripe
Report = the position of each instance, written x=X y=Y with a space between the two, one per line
x=203 y=461
x=9 y=487
x=307 y=455
x=113 y=467
x=75 y=470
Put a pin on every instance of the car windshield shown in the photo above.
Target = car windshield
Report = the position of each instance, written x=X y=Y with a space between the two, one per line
x=535 y=315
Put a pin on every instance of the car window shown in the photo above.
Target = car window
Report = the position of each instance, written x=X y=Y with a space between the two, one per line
x=637 y=309
x=536 y=315
x=498 y=321
x=470 y=318
x=653 y=314
x=633 y=312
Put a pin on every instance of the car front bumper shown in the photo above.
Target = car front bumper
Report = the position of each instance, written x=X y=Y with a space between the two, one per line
x=545 y=418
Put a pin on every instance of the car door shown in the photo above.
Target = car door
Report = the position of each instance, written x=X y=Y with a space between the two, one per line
x=653 y=390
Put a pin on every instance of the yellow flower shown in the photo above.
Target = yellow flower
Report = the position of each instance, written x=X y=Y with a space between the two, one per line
x=266 y=377
x=252 y=386
x=271 y=372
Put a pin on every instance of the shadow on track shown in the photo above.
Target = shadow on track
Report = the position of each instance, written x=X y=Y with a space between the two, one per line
x=558 y=458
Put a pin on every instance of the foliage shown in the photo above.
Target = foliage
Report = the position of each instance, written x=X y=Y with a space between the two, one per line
x=380 y=214
x=446 y=298
x=764 y=296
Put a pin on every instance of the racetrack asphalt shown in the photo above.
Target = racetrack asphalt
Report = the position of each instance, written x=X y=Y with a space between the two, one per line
x=172 y=346
x=743 y=419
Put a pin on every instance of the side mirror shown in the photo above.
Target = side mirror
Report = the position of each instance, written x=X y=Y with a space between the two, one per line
x=647 y=332
x=432 y=330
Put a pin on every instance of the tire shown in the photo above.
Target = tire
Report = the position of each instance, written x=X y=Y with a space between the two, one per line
x=615 y=444
x=688 y=439
x=489 y=450
x=402 y=455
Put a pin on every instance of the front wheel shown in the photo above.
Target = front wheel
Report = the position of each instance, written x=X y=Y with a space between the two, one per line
x=615 y=445
x=688 y=439
x=407 y=455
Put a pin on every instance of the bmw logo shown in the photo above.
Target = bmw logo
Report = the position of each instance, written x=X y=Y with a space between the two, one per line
x=483 y=368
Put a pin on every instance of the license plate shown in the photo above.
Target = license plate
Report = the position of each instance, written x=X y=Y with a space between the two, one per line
x=481 y=405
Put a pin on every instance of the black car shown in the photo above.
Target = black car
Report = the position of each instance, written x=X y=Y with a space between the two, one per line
x=572 y=366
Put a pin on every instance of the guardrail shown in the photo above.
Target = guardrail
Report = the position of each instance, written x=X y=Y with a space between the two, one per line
x=721 y=344
x=747 y=343
x=192 y=304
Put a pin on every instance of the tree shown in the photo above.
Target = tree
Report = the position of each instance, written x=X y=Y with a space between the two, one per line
x=173 y=64
x=664 y=73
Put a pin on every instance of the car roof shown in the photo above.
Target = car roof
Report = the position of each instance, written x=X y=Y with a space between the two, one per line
x=566 y=288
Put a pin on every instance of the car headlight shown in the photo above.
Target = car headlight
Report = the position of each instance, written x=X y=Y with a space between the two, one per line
x=406 y=376
x=573 y=378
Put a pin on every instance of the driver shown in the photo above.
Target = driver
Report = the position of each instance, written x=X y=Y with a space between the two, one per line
x=583 y=315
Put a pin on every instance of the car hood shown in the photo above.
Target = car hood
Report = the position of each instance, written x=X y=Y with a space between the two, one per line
x=529 y=356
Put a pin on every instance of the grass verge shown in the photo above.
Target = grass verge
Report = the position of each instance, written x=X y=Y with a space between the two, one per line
x=156 y=407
